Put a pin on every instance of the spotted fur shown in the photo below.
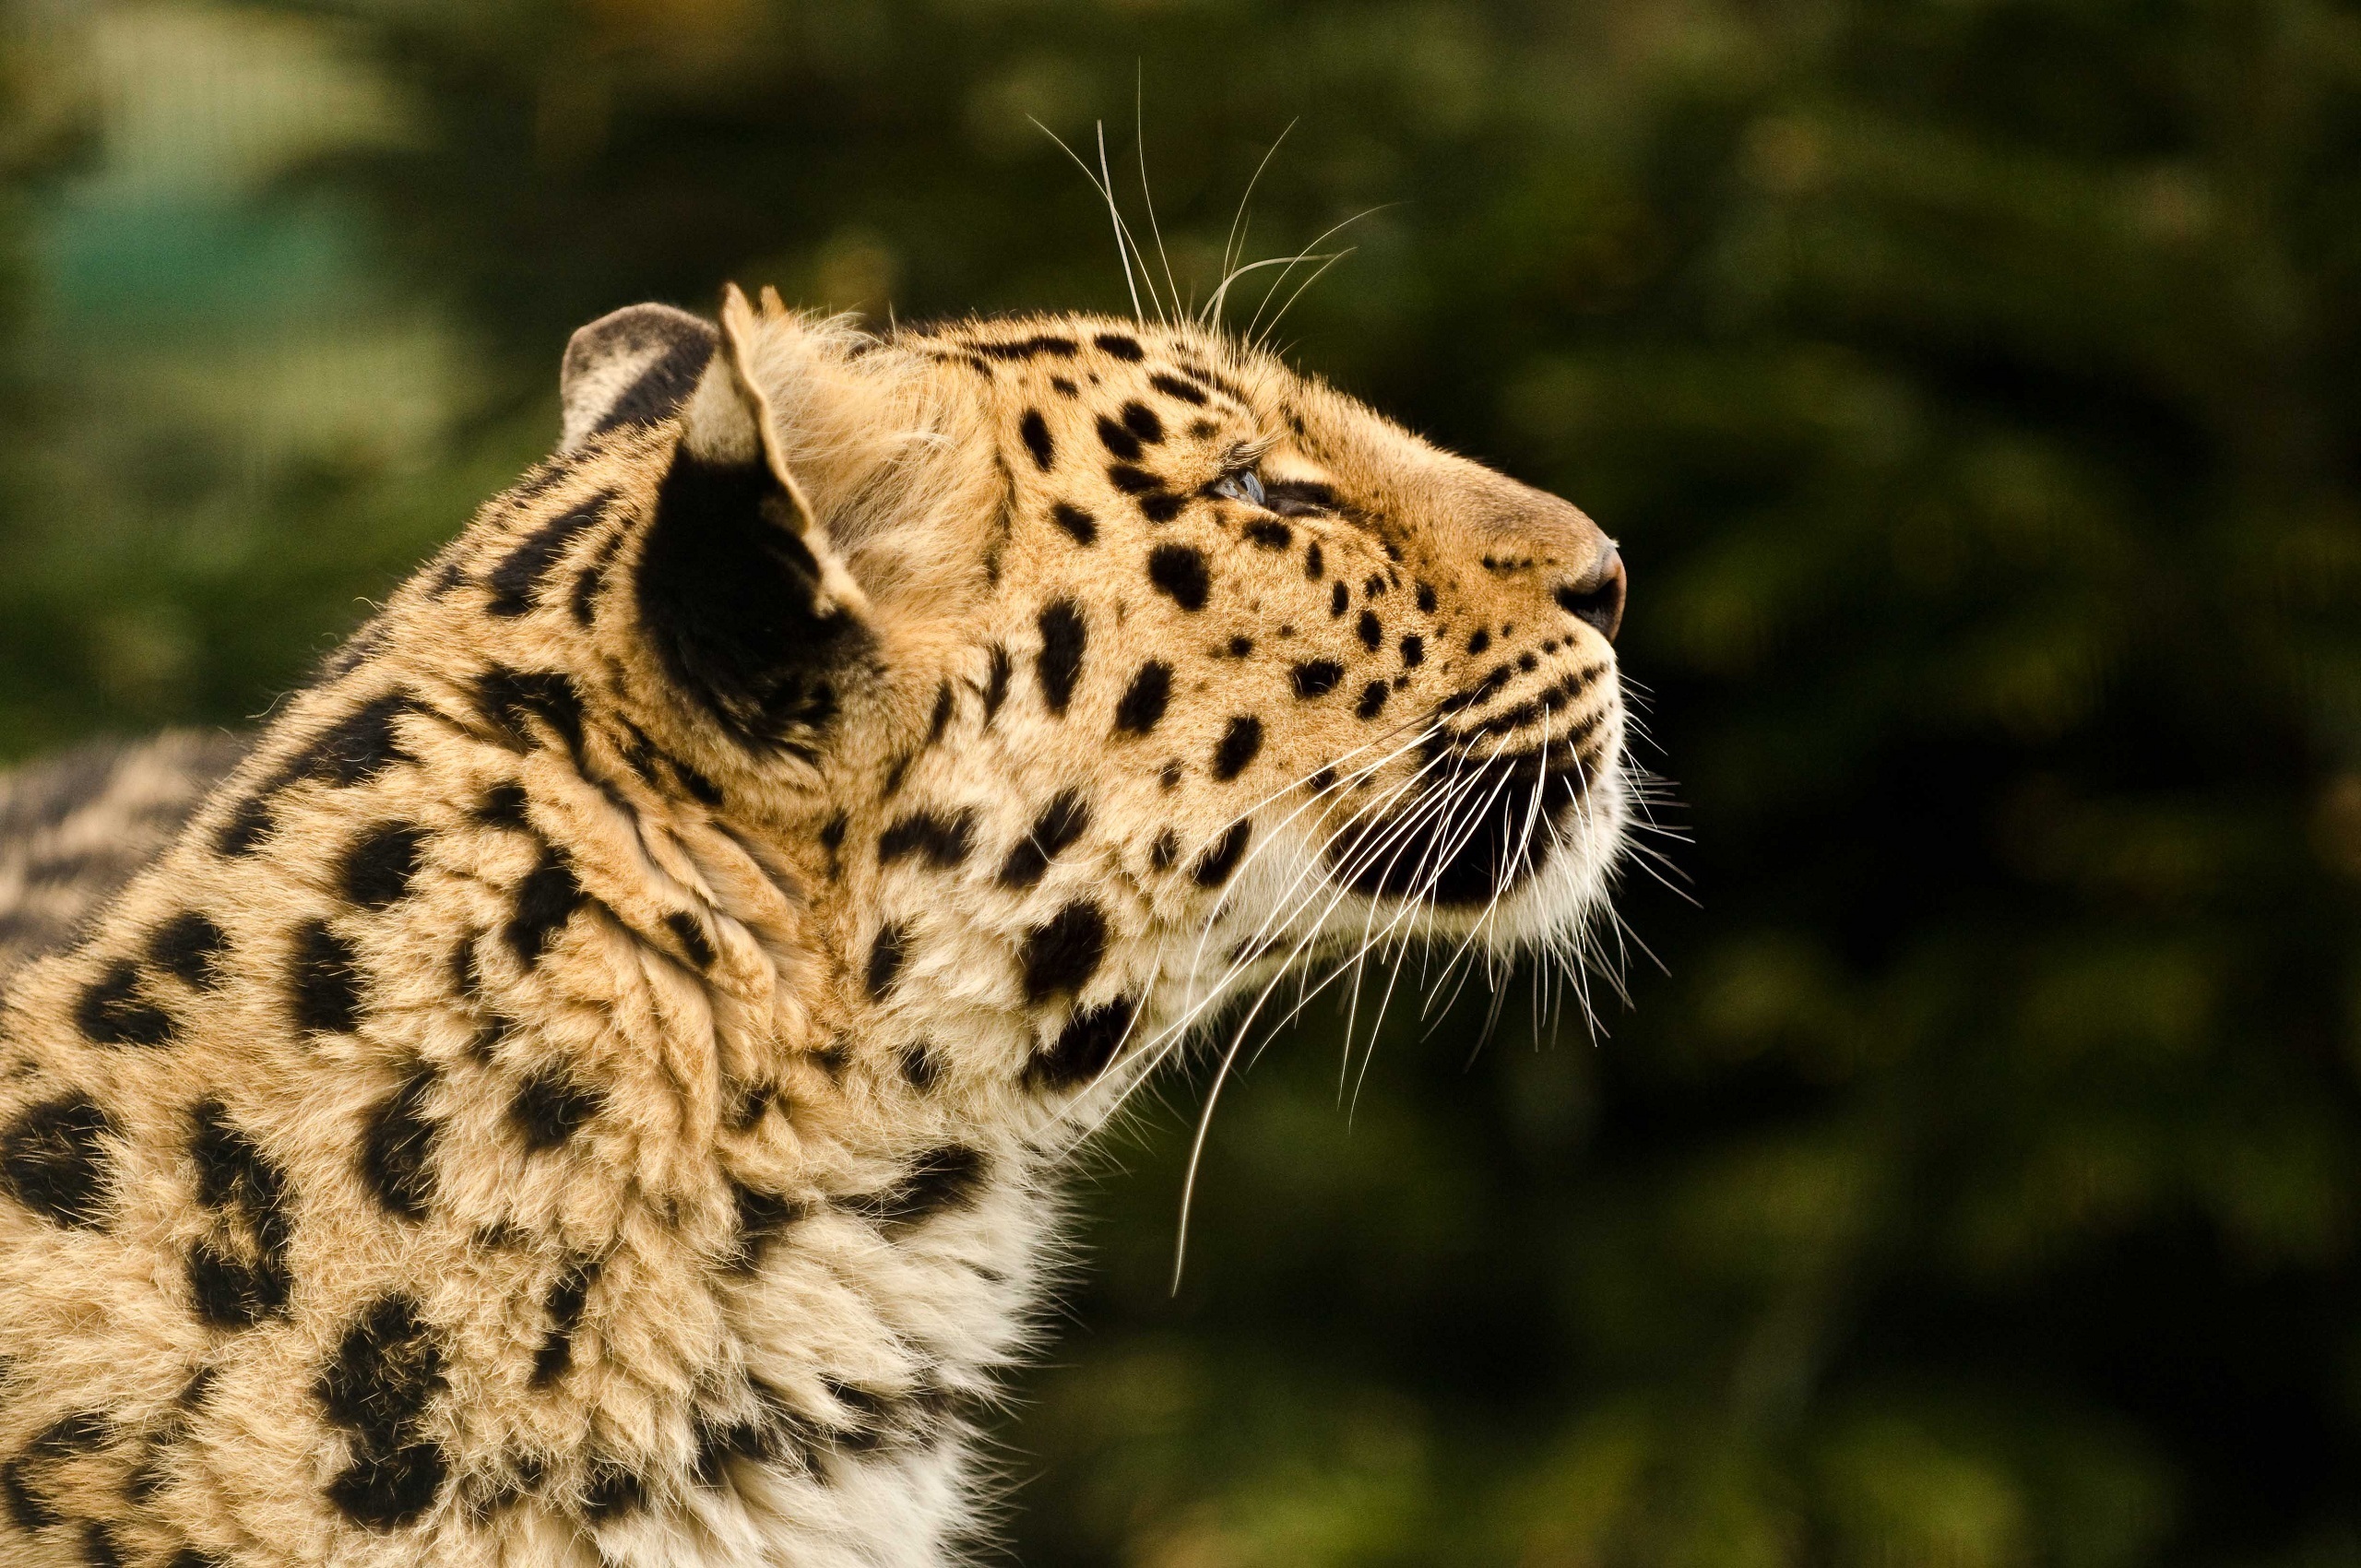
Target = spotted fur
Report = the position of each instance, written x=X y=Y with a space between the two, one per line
x=590 y=1086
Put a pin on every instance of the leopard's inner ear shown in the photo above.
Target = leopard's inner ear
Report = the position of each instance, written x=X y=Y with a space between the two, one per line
x=740 y=595
x=636 y=366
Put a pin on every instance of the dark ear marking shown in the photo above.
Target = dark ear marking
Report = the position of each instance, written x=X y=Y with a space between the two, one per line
x=636 y=366
x=732 y=598
x=738 y=594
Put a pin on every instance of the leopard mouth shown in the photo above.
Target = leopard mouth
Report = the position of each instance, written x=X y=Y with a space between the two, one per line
x=1504 y=783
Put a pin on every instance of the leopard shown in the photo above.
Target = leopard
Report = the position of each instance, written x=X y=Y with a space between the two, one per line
x=595 y=1080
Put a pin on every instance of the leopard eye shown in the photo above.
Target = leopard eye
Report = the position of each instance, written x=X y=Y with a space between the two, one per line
x=1244 y=485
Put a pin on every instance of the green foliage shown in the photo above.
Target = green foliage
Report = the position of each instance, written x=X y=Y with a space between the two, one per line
x=1972 y=386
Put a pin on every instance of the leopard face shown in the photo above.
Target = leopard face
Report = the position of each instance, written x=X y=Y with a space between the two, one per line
x=1238 y=677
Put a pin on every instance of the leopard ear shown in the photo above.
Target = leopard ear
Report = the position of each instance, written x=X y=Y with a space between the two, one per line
x=636 y=366
x=740 y=591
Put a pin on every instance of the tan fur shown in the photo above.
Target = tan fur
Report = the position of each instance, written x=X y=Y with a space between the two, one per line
x=800 y=1197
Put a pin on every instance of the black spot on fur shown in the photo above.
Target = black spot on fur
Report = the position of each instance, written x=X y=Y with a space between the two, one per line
x=1083 y=1048
x=584 y=600
x=508 y=698
x=1120 y=345
x=550 y=1107
x=564 y=1305
x=1145 y=699
x=832 y=838
x=1427 y=597
x=464 y=978
x=996 y=681
x=1064 y=636
x=1132 y=479
x=1036 y=433
x=387 y=1368
x=1414 y=651
x=1238 y=745
x=1312 y=563
x=1270 y=534
x=1160 y=507
x=248 y=824
x=189 y=947
x=79 y=1432
x=354 y=749
x=920 y=1066
x=946 y=702
x=324 y=976
x=1030 y=348
x=546 y=899
x=1480 y=641
x=763 y=1217
x=229 y=1291
x=1317 y=677
x=692 y=938
x=1240 y=646
x=1372 y=700
x=938 y=1181
x=54 y=1160
x=504 y=805
x=1165 y=850
x=1065 y=820
x=1141 y=421
x=612 y=1491
x=1340 y=599
x=98 y=1548
x=885 y=957
x=701 y=788
x=236 y=1286
x=730 y=600
x=1370 y=630
x=397 y=1142
x=1179 y=571
x=378 y=868
x=1119 y=442
x=1322 y=782
x=112 y=1011
x=1061 y=954
x=942 y=839
x=517 y=577
x=1215 y=866
x=1173 y=386
x=1076 y=521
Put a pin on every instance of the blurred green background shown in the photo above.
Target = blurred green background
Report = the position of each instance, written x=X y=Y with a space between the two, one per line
x=1974 y=386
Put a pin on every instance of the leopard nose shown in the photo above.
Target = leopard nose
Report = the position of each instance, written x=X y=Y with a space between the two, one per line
x=1597 y=595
